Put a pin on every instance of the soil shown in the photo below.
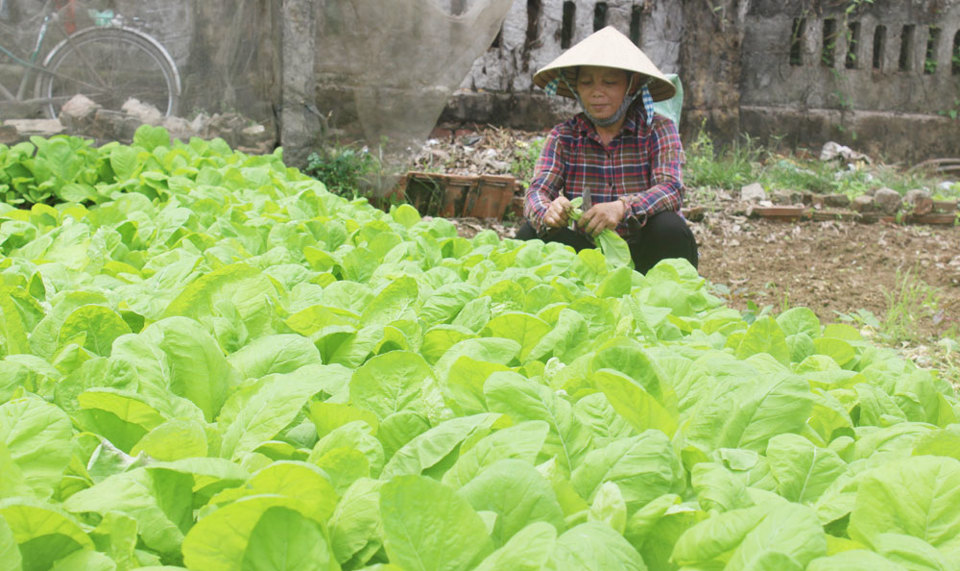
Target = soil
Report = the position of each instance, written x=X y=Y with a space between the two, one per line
x=838 y=269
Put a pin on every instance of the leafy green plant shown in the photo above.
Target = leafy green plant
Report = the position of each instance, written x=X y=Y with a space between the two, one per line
x=610 y=243
x=345 y=170
x=727 y=168
x=227 y=366
x=911 y=301
x=47 y=171
x=953 y=112
x=525 y=157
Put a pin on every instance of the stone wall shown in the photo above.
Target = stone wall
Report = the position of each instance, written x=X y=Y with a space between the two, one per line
x=881 y=77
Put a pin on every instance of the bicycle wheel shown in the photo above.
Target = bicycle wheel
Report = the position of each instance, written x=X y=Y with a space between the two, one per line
x=109 y=66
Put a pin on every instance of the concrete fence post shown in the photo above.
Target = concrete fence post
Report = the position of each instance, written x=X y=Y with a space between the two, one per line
x=300 y=128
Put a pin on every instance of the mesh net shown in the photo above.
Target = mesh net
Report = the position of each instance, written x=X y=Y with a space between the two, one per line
x=382 y=73
x=205 y=69
x=402 y=60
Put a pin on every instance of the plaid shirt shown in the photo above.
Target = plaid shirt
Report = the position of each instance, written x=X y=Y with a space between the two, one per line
x=642 y=162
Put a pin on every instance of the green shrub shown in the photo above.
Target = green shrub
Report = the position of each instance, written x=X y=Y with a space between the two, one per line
x=345 y=170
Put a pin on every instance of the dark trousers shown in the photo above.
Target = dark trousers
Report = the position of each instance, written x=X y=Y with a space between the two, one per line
x=665 y=235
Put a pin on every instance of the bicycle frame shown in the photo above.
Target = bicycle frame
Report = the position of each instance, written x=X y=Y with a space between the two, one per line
x=30 y=65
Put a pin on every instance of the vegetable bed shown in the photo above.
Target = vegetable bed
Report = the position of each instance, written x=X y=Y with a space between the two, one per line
x=216 y=364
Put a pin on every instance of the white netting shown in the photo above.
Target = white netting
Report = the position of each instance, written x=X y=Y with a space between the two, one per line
x=403 y=59
x=206 y=69
x=392 y=66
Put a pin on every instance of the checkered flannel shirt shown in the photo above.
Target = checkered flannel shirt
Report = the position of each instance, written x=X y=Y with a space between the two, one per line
x=642 y=162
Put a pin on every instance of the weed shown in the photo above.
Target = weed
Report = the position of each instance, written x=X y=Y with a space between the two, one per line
x=953 y=112
x=946 y=357
x=862 y=318
x=345 y=170
x=525 y=157
x=908 y=304
x=753 y=312
x=728 y=168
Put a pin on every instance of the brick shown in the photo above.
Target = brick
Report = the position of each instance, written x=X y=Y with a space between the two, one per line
x=938 y=219
x=944 y=206
x=788 y=213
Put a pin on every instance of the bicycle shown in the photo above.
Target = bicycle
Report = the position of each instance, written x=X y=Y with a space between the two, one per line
x=108 y=63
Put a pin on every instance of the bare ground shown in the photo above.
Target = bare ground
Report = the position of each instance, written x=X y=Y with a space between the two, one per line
x=838 y=268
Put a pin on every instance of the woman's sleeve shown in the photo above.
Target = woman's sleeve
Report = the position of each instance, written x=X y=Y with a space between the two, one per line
x=666 y=173
x=547 y=181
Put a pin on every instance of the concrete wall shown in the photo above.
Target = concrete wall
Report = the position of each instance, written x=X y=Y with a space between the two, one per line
x=880 y=77
x=744 y=69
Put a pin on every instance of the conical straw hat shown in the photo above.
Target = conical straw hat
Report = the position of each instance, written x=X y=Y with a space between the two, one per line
x=606 y=48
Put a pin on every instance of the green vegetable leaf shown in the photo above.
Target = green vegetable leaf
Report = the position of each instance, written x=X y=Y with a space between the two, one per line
x=413 y=509
x=285 y=540
x=517 y=493
x=35 y=437
x=595 y=546
x=917 y=496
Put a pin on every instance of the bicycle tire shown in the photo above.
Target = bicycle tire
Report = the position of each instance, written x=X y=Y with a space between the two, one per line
x=109 y=65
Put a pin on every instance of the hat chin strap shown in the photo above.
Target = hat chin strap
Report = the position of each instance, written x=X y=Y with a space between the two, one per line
x=621 y=111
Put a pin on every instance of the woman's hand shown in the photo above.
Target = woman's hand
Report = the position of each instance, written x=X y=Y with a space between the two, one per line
x=556 y=215
x=603 y=216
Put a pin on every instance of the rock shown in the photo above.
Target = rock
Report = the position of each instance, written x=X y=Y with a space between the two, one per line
x=199 y=122
x=753 y=193
x=832 y=150
x=887 y=200
x=39 y=127
x=919 y=201
x=226 y=126
x=8 y=135
x=144 y=112
x=693 y=213
x=864 y=203
x=784 y=197
x=78 y=112
x=836 y=200
x=113 y=126
x=257 y=139
x=179 y=128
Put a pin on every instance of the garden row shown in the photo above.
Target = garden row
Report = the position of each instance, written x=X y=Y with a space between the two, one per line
x=210 y=362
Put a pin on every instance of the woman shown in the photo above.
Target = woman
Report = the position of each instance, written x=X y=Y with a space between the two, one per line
x=621 y=157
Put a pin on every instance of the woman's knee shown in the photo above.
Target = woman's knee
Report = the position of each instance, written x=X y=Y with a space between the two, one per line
x=667 y=235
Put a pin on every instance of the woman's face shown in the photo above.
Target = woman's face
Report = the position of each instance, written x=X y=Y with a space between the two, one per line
x=601 y=90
